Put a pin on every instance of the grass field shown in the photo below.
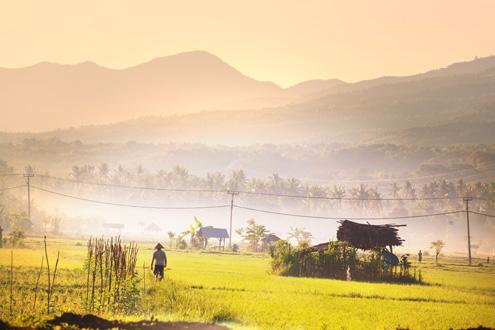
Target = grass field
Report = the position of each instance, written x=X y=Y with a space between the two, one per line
x=240 y=292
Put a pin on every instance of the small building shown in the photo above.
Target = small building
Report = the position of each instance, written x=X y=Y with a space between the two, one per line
x=153 y=227
x=268 y=240
x=208 y=232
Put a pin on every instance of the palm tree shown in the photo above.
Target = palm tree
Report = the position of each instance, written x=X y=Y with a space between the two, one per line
x=171 y=237
x=237 y=180
x=300 y=235
x=360 y=194
x=437 y=245
x=193 y=232
x=395 y=190
x=293 y=186
x=276 y=184
x=179 y=177
x=253 y=233
x=29 y=169
x=337 y=192
x=408 y=190
x=76 y=173
x=103 y=171
x=215 y=180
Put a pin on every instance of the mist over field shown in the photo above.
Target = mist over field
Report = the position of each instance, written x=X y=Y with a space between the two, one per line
x=390 y=137
x=243 y=165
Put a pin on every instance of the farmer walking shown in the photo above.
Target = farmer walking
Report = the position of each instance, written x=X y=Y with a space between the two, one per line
x=159 y=261
x=420 y=256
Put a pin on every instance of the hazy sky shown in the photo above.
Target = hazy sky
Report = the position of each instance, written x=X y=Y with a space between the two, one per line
x=283 y=41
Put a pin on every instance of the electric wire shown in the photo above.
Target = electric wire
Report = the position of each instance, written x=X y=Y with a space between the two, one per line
x=131 y=205
x=483 y=214
x=251 y=208
x=227 y=191
x=348 y=218
x=10 y=174
x=133 y=187
x=15 y=187
x=351 y=198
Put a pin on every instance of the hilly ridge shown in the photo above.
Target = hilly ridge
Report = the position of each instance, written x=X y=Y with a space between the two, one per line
x=433 y=105
x=55 y=96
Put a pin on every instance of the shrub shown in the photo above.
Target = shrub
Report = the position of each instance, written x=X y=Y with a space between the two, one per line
x=235 y=248
x=16 y=238
x=335 y=262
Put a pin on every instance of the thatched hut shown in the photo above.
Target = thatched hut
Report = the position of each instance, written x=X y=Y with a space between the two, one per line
x=211 y=232
x=268 y=240
x=367 y=237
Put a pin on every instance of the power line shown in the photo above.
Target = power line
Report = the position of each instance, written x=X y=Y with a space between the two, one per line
x=255 y=192
x=241 y=207
x=10 y=174
x=254 y=209
x=349 y=198
x=131 y=205
x=133 y=187
x=483 y=214
x=348 y=218
x=9 y=188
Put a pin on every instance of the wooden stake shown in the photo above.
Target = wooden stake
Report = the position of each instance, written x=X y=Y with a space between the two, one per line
x=11 y=280
x=48 y=272
x=54 y=273
x=144 y=277
x=37 y=283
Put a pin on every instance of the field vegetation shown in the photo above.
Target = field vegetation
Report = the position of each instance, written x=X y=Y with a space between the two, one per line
x=240 y=291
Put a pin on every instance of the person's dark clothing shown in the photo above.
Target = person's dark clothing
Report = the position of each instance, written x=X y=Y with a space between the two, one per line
x=160 y=257
x=158 y=271
x=160 y=261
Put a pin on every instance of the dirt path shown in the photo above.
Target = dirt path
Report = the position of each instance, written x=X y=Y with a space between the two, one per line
x=89 y=321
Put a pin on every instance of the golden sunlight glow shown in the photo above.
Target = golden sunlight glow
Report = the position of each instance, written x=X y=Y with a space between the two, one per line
x=282 y=41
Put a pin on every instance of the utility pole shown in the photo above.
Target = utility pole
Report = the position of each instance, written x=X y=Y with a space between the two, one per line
x=467 y=200
x=232 y=194
x=28 y=177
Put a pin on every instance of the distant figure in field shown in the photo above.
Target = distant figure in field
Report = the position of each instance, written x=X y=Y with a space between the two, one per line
x=159 y=261
x=420 y=256
x=487 y=260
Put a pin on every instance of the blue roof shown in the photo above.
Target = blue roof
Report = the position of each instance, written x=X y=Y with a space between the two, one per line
x=211 y=232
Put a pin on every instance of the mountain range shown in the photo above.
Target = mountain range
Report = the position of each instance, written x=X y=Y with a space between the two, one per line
x=196 y=97
x=48 y=96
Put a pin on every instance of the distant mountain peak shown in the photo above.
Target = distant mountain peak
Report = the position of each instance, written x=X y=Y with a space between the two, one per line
x=195 y=57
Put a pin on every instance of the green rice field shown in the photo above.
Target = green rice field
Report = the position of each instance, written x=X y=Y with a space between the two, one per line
x=238 y=291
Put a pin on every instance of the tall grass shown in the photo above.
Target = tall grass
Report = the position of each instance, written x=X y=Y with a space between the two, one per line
x=111 y=277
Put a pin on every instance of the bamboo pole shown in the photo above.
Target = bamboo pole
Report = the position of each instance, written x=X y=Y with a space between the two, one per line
x=90 y=252
x=144 y=277
x=54 y=273
x=101 y=275
x=48 y=272
x=94 y=276
x=37 y=283
x=11 y=281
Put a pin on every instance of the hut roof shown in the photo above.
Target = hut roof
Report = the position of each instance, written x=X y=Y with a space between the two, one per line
x=366 y=236
x=211 y=232
x=317 y=247
x=153 y=227
x=270 y=238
